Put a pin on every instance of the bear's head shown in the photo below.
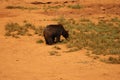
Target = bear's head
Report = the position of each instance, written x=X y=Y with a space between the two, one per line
x=65 y=34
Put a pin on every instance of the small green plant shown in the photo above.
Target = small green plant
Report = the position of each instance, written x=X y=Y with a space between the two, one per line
x=76 y=6
x=53 y=53
x=40 y=41
x=57 y=47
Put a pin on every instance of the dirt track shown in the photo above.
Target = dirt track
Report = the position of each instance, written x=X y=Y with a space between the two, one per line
x=24 y=59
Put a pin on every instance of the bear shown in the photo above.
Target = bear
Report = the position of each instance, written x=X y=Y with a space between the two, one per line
x=53 y=32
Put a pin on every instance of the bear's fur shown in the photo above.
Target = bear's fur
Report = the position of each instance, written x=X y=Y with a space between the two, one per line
x=53 y=32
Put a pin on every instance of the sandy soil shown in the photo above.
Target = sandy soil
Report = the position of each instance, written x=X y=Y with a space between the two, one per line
x=24 y=59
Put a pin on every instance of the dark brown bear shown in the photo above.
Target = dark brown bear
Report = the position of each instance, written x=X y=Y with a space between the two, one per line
x=53 y=32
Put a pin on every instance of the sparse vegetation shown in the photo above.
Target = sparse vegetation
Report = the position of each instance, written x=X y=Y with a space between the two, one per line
x=84 y=20
x=91 y=52
x=55 y=53
x=112 y=60
x=76 y=6
x=46 y=8
x=22 y=7
x=55 y=7
x=72 y=50
x=57 y=47
x=102 y=38
x=27 y=29
x=116 y=19
x=39 y=30
x=40 y=41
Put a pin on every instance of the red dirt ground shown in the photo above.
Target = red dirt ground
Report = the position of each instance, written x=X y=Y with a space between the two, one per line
x=24 y=59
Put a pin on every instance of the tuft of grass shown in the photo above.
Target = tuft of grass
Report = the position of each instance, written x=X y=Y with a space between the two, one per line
x=40 y=41
x=54 y=53
x=46 y=8
x=57 y=47
x=76 y=6
x=72 y=50
x=55 y=7
x=21 y=7
x=112 y=60
x=15 y=7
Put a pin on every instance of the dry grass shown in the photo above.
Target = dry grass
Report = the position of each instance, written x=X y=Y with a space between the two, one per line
x=102 y=38
x=27 y=29
x=21 y=7
x=76 y=6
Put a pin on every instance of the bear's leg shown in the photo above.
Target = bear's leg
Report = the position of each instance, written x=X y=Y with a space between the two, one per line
x=58 y=39
x=50 y=41
x=46 y=40
x=53 y=39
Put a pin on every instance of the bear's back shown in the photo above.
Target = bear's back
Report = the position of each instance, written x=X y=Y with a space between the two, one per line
x=54 y=26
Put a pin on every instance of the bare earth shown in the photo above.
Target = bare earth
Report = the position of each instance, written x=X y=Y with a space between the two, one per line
x=24 y=59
